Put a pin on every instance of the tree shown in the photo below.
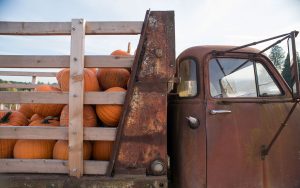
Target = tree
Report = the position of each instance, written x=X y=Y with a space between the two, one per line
x=286 y=71
x=277 y=56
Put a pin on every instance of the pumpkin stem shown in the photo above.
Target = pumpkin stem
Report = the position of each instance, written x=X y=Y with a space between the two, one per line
x=129 y=47
x=46 y=120
x=5 y=118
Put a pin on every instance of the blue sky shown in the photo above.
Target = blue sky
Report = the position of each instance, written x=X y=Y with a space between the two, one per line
x=198 y=22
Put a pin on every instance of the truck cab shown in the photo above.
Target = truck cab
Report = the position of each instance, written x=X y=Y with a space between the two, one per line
x=228 y=107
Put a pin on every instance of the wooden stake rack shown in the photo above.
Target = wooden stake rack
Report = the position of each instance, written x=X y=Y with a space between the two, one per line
x=76 y=97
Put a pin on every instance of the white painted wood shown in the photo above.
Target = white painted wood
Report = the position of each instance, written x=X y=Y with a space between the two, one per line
x=64 y=28
x=76 y=97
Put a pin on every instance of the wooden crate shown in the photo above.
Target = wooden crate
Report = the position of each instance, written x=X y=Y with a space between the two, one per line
x=76 y=97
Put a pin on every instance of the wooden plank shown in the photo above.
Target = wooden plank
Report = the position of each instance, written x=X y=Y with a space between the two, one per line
x=21 y=73
x=22 y=86
x=76 y=97
x=95 y=167
x=97 y=133
x=34 y=97
x=114 y=28
x=55 y=133
x=21 y=97
x=48 y=166
x=64 y=28
x=62 y=61
x=104 y=98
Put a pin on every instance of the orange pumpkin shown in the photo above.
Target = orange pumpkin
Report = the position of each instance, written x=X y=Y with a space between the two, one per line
x=90 y=80
x=110 y=114
x=48 y=121
x=89 y=116
x=35 y=117
x=10 y=119
x=120 y=53
x=113 y=77
x=61 y=150
x=26 y=110
x=7 y=148
x=47 y=109
x=34 y=149
x=14 y=118
x=102 y=150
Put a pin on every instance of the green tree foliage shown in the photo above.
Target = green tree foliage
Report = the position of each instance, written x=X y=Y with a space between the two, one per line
x=286 y=71
x=277 y=56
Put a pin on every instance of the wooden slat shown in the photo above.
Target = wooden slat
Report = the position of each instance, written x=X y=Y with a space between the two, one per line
x=104 y=98
x=34 y=97
x=97 y=133
x=21 y=86
x=21 y=73
x=55 y=133
x=62 y=61
x=21 y=97
x=48 y=166
x=64 y=28
x=76 y=98
x=114 y=28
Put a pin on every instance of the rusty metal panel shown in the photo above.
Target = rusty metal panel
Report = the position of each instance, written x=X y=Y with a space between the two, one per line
x=64 y=181
x=142 y=132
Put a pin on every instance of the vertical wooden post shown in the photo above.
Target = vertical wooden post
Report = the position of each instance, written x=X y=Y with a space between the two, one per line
x=33 y=81
x=76 y=97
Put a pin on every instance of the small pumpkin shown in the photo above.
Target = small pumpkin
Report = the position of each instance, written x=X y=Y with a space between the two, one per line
x=90 y=80
x=8 y=118
x=13 y=118
x=35 y=117
x=34 y=149
x=89 y=116
x=102 y=150
x=47 y=109
x=113 y=77
x=61 y=150
x=26 y=110
x=48 y=121
x=110 y=114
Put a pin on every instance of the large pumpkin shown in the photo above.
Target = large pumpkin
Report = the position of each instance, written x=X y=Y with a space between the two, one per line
x=8 y=118
x=26 y=110
x=47 y=109
x=90 y=80
x=102 y=150
x=113 y=77
x=61 y=150
x=89 y=116
x=34 y=149
x=110 y=114
x=48 y=121
x=35 y=117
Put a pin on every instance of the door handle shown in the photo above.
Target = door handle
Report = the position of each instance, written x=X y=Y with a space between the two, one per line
x=194 y=123
x=214 y=112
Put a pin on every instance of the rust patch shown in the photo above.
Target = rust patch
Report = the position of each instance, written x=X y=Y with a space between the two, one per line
x=142 y=132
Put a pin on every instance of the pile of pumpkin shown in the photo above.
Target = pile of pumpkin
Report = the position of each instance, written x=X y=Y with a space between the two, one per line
x=104 y=79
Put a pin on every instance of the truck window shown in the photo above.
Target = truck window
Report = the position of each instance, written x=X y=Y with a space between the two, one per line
x=230 y=77
x=267 y=86
x=188 y=78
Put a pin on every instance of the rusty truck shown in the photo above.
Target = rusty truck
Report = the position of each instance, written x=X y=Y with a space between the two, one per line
x=216 y=117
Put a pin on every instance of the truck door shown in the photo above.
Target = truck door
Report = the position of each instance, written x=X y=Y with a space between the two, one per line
x=246 y=103
x=186 y=127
